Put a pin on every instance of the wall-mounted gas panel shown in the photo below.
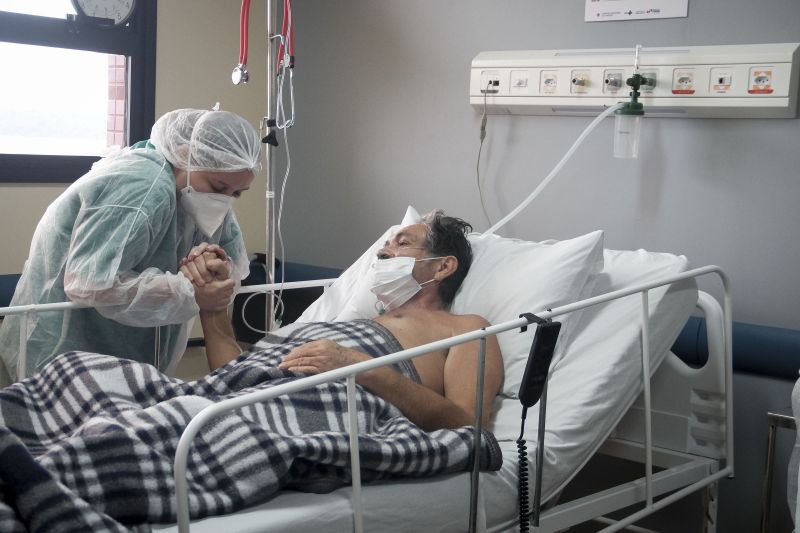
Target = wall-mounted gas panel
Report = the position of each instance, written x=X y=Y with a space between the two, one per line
x=731 y=81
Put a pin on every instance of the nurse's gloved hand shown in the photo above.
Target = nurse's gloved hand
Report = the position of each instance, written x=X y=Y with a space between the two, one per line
x=195 y=265
x=219 y=268
x=206 y=268
x=214 y=296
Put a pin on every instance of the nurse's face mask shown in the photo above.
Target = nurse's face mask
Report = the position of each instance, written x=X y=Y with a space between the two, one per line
x=207 y=209
x=393 y=281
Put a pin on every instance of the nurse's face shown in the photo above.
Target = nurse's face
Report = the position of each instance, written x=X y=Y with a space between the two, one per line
x=227 y=183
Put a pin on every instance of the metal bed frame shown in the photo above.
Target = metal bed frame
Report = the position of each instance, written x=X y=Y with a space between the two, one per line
x=686 y=470
x=688 y=441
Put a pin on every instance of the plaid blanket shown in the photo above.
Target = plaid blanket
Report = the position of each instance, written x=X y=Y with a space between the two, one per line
x=88 y=443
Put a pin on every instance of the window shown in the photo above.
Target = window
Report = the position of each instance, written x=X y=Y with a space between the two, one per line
x=70 y=90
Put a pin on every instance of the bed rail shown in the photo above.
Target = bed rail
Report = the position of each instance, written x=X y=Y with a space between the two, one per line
x=27 y=311
x=349 y=374
x=688 y=441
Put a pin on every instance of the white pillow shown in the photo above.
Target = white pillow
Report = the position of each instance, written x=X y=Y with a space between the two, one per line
x=509 y=277
x=349 y=297
x=605 y=339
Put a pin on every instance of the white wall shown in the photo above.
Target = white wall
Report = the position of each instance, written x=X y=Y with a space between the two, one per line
x=384 y=121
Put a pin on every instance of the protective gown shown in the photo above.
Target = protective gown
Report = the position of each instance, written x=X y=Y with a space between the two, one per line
x=113 y=240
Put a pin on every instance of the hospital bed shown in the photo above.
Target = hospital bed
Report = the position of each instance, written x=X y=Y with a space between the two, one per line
x=681 y=424
x=596 y=376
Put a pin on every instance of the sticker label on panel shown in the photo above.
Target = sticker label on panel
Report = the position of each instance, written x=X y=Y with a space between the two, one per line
x=519 y=82
x=760 y=81
x=683 y=81
x=721 y=80
x=548 y=83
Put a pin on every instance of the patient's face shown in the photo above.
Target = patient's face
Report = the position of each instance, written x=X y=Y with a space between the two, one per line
x=407 y=242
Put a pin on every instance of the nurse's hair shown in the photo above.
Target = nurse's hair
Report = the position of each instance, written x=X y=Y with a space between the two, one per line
x=198 y=139
x=448 y=236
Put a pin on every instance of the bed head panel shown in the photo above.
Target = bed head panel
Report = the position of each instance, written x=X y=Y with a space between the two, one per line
x=599 y=377
x=688 y=404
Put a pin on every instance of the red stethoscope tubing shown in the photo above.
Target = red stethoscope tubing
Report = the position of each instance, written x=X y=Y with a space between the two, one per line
x=287 y=31
x=244 y=25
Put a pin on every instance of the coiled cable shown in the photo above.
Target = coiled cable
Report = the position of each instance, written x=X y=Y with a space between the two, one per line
x=522 y=478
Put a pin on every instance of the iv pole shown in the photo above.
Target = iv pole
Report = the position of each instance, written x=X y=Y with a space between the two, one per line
x=240 y=76
x=268 y=168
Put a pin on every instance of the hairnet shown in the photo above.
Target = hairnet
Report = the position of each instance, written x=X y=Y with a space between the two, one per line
x=198 y=139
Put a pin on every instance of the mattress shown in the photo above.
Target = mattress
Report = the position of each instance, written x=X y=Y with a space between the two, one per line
x=591 y=387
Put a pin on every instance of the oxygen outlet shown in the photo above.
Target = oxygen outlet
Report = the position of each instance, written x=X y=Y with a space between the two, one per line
x=613 y=81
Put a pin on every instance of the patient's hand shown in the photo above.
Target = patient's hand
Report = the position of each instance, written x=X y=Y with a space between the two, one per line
x=320 y=356
x=215 y=295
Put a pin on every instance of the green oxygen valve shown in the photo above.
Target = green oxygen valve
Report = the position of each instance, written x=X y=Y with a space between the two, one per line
x=628 y=122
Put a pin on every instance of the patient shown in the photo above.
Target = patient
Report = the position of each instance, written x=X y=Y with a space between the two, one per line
x=418 y=272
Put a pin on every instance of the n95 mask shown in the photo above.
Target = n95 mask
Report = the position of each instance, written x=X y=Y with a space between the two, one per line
x=207 y=209
x=393 y=282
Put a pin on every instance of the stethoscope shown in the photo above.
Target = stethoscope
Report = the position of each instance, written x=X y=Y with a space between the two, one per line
x=285 y=61
x=239 y=74
x=285 y=64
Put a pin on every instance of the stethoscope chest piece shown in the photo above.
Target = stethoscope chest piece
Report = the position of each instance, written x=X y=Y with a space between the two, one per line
x=239 y=74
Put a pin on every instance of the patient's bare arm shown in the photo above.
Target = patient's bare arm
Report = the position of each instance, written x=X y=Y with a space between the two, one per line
x=425 y=407
x=221 y=345
x=457 y=404
x=210 y=272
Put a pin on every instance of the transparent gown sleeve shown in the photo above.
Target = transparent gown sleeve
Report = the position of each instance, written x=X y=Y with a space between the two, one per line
x=101 y=270
x=150 y=298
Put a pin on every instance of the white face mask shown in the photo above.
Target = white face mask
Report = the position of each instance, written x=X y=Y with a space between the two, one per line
x=393 y=283
x=207 y=209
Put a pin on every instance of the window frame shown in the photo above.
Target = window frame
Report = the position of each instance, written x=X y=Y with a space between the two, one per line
x=136 y=41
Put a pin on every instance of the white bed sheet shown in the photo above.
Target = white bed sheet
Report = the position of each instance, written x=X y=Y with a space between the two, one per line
x=402 y=505
x=590 y=390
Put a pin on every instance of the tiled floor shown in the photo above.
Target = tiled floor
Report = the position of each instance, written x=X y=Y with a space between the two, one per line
x=193 y=364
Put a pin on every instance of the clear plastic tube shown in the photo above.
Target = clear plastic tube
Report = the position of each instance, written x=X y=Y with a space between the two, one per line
x=555 y=170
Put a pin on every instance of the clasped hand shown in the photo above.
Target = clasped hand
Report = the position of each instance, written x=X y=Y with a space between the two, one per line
x=320 y=356
x=208 y=268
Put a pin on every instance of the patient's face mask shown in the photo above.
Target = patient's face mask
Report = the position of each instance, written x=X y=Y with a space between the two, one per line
x=393 y=281
x=207 y=209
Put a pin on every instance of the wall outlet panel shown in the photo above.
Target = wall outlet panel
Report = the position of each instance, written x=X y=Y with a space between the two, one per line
x=729 y=81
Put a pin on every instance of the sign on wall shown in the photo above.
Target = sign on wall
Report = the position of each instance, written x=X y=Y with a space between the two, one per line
x=608 y=10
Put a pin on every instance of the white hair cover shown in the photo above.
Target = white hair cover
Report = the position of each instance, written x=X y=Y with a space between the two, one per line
x=198 y=139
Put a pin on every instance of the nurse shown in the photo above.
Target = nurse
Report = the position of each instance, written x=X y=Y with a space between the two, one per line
x=115 y=238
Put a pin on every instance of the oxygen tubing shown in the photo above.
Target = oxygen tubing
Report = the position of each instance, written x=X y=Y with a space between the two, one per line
x=555 y=170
